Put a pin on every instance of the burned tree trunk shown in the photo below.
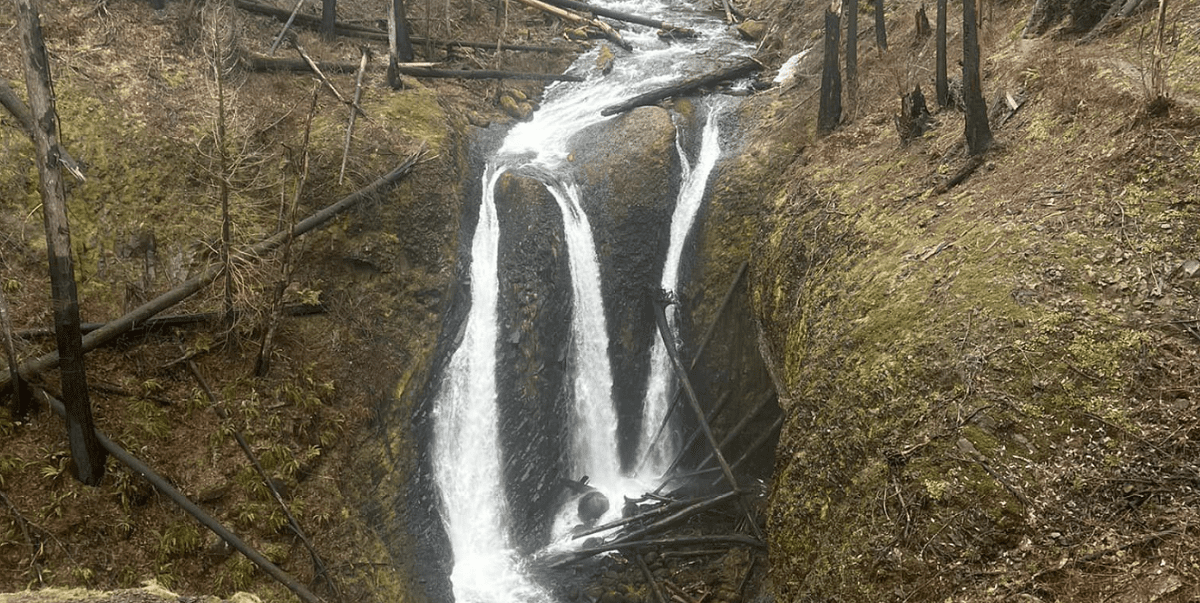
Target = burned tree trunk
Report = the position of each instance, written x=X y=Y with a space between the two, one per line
x=979 y=133
x=852 y=53
x=86 y=452
x=830 y=112
x=942 y=88
x=880 y=26
x=399 y=46
x=913 y=120
x=328 y=20
x=922 y=26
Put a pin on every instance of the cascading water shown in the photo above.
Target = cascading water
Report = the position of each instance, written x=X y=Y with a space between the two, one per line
x=657 y=447
x=467 y=457
x=594 y=430
x=466 y=438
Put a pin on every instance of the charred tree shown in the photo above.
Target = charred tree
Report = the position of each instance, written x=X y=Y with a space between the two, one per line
x=328 y=20
x=880 y=26
x=941 y=86
x=852 y=53
x=86 y=452
x=979 y=133
x=399 y=45
x=922 y=26
x=830 y=112
x=914 y=118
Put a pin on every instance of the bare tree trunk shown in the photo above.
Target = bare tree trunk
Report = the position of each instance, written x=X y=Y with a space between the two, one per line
x=922 y=26
x=86 y=453
x=223 y=178
x=830 y=112
x=979 y=133
x=880 y=26
x=328 y=20
x=22 y=402
x=399 y=46
x=941 y=86
x=852 y=54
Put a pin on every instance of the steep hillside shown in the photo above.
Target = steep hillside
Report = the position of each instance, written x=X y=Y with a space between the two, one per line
x=991 y=389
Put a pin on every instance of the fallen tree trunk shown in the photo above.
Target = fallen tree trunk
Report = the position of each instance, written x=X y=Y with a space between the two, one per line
x=17 y=107
x=370 y=33
x=659 y=543
x=261 y=62
x=604 y=28
x=737 y=429
x=185 y=290
x=663 y=524
x=174 y=320
x=616 y=14
x=486 y=74
x=664 y=331
x=708 y=333
x=741 y=69
x=195 y=511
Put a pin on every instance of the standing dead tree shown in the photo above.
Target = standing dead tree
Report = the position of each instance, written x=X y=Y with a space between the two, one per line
x=86 y=452
x=979 y=133
x=399 y=46
x=942 y=87
x=328 y=20
x=880 y=26
x=829 y=114
x=852 y=54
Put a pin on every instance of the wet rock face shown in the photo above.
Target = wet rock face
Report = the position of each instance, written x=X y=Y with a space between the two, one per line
x=628 y=172
x=534 y=322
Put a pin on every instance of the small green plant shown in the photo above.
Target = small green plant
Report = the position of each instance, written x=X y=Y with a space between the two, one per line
x=178 y=539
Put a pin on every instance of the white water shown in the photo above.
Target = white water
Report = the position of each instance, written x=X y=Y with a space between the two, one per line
x=594 y=424
x=467 y=456
x=466 y=440
x=658 y=453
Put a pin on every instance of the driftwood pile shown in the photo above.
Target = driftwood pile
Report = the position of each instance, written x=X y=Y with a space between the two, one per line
x=659 y=525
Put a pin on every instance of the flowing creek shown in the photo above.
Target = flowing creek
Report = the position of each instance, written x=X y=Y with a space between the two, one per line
x=466 y=448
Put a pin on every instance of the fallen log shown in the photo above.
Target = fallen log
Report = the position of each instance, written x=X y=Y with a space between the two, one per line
x=600 y=11
x=261 y=62
x=606 y=29
x=185 y=290
x=650 y=581
x=20 y=111
x=195 y=511
x=371 y=33
x=173 y=320
x=655 y=512
x=486 y=74
x=663 y=524
x=664 y=331
x=660 y=543
x=696 y=433
x=737 y=429
x=741 y=69
x=708 y=333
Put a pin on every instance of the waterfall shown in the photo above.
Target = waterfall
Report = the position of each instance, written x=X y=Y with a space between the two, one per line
x=657 y=449
x=594 y=429
x=466 y=452
x=466 y=438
